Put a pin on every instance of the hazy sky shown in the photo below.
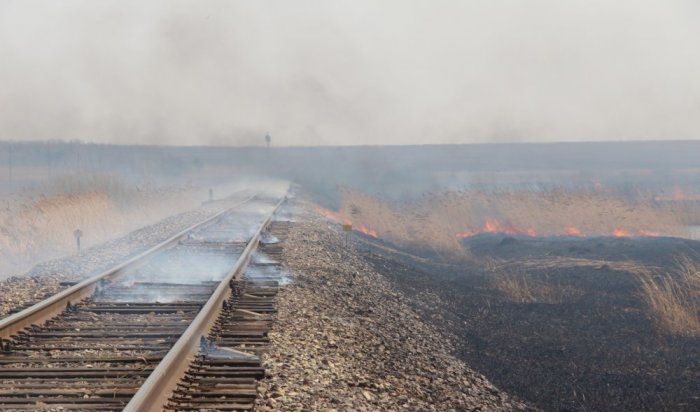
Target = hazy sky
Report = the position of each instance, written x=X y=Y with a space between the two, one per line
x=349 y=72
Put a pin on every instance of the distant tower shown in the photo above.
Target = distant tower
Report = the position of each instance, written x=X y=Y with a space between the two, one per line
x=268 y=139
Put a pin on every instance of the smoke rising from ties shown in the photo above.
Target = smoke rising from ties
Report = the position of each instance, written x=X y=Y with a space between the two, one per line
x=349 y=72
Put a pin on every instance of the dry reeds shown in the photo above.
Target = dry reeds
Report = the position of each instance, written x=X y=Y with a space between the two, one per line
x=119 y=191
x=436 y=219
x=674 y=298
x=558 y=262
x=519 y=287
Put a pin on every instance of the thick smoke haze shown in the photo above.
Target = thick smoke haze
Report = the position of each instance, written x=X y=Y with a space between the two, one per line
x=349 y=72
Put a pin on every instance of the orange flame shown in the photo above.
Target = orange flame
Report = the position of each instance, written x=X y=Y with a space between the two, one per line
x=494 y=226
x=640 y=233
x=678 y=194
x=467 y=233
x=572 y=231
x=339 y=217
x=490 y=226
x=648 y=233
x=367 y=231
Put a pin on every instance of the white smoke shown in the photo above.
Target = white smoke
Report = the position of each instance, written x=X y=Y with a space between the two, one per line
x=349 y=72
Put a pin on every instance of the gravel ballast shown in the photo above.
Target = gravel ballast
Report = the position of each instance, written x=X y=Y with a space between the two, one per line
x=345 y=339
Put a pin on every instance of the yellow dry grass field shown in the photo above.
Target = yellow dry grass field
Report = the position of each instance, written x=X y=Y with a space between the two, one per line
x=42 y=228
x=47 y=224
x=438 y=219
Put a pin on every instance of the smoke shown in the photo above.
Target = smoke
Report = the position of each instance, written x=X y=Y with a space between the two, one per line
x=207 y=254
x=349 y=72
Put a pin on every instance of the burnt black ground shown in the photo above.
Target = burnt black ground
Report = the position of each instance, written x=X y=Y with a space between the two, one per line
x=654 y=251
x=595 y=351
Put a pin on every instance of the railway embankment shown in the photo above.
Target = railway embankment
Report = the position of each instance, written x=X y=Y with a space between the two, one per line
x=345 y=339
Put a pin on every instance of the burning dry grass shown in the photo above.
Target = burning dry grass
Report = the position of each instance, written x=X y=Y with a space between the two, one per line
x=437 y=220
x=553 y=212
x=400 y=225
x=674 y=298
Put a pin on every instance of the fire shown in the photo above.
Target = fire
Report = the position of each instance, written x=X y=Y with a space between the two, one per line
x=648 y=233
x=678 y=194
x=467 y=233
x=640 y=233
x=334 y=216
x=339 y=217
x=494 y=226
x=491 y=225
x=572 y=231
x=367 y=231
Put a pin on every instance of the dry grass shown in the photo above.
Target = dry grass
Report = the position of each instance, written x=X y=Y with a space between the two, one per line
x=511 y=278
x=436 y=218
x=557 y=262
x=41 y=226
x=400 y=225
x=44 y=227
x=674 y=298
x=120 y=191
x=519 y=287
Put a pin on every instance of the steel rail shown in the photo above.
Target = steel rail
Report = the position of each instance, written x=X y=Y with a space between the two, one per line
x=56 y=304
x=155 y=391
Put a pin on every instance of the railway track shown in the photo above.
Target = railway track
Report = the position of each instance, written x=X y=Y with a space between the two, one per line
x=107 y=343
x=227 y=366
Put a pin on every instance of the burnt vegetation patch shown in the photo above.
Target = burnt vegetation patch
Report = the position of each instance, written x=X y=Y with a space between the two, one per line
x=564 y=324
